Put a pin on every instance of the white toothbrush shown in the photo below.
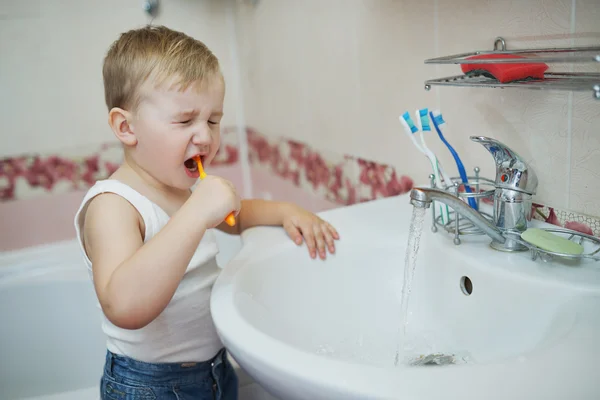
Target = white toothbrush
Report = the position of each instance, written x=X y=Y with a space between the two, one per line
x=411 y=129
x=424 y=126
x=422 y=117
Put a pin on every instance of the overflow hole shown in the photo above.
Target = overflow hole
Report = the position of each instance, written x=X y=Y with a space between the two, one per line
x=466 y=285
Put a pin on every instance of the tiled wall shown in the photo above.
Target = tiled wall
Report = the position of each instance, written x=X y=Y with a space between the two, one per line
x=40 y=193
x=51 y=71
x=336 y=178
x=322 y=86
x=336 y=75
x=54 y=133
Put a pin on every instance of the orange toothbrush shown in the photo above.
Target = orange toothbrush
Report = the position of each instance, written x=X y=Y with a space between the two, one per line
x=230 y=219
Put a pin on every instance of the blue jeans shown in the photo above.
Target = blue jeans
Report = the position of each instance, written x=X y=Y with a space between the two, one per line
x=128 y=379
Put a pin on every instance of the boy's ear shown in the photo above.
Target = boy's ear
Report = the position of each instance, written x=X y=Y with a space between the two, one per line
x=120 y=122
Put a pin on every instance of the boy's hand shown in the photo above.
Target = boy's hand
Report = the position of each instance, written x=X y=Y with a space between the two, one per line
x=317 y=233
x=216 y=198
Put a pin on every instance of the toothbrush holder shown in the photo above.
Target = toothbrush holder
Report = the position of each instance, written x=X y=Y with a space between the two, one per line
x=482 y=192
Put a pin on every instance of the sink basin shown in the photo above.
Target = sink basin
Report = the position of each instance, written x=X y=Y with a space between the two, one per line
x=313 y=329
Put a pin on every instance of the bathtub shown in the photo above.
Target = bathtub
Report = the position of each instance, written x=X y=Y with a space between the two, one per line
x=42 y=290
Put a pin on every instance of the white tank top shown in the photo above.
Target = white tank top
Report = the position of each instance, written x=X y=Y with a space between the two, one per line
x=184 y=331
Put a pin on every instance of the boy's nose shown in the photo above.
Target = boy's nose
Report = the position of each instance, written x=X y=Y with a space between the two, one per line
x=201 y=136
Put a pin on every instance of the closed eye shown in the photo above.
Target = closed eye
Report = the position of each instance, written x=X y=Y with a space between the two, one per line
x=185 y=122
x=212 y=122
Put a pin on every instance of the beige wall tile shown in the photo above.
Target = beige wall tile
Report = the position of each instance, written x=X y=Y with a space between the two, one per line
x=52 y=94
x=20 y=9
x=532 y=123
x=585 y=147
x=298 y=61
x=336 y=74
x=362 y=64
x=394 y=39
x=585 y=156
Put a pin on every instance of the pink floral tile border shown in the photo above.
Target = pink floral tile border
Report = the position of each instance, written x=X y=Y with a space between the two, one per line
x=341 y=179
x=33 y=175
x=338 y=178
x=348 y=180
x=567 y=219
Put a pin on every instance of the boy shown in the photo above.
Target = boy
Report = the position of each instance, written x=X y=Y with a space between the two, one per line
x=146 y=237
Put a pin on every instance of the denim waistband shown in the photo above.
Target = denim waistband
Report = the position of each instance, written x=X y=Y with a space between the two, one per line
x=124 y=368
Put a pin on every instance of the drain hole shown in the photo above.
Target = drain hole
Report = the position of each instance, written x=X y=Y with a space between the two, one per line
x=466 y=285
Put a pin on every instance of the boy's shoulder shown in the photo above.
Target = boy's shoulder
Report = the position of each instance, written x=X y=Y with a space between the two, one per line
x=109 y=202
x=107 y=218
x=112 y=187
x=102 y=190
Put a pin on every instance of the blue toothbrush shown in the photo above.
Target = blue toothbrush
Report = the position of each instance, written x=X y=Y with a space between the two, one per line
x=437 y=120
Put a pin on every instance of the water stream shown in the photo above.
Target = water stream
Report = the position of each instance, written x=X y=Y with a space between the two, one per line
x=410 y=260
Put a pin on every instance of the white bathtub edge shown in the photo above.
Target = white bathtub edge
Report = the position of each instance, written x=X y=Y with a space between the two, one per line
x=80 y=394
x=33 y=262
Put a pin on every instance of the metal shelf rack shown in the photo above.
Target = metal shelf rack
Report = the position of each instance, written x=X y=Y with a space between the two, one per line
x=551 y=81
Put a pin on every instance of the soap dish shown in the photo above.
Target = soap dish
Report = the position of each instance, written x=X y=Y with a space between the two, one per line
x=591 y=245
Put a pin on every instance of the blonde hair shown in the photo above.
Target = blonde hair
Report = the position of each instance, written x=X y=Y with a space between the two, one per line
x=155 y=51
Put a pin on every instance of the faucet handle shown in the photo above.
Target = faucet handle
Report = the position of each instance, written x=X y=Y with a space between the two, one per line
x=512 y=172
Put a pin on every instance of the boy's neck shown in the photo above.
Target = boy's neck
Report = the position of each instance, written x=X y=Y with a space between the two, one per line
x=134 y=175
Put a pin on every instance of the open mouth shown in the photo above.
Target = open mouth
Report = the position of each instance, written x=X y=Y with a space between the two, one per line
x=191 y=165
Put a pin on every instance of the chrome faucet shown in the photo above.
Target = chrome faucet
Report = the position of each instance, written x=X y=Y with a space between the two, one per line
x=515 y=185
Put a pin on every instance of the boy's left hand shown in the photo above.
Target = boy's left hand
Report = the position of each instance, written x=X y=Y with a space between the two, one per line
x=317 y=233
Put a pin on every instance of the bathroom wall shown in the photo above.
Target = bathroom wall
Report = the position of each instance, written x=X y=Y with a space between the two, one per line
x=335 y=75
x=55 y=138
x=52 y=96
x=314 y=91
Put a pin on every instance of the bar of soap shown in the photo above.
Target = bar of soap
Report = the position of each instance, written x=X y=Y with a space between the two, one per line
x=549 y=241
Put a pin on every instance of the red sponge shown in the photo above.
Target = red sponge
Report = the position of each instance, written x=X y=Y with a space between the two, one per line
x=505 y=72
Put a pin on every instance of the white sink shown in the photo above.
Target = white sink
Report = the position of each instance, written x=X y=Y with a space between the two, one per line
x=313 y=329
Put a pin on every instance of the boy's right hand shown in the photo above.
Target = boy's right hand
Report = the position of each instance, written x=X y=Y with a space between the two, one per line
x=215 y=198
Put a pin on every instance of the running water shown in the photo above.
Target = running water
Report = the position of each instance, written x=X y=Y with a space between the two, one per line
x=410 y=260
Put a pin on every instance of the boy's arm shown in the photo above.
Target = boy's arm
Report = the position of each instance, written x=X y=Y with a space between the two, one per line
x=301 y=225
x=255 y=212
x=135 y=281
